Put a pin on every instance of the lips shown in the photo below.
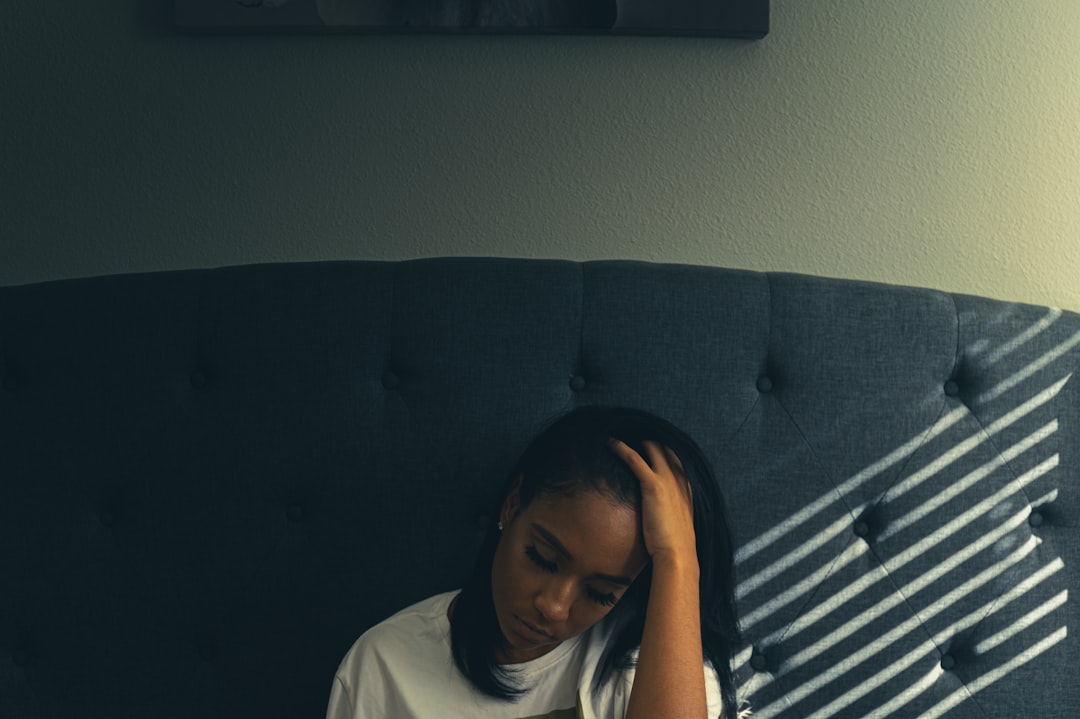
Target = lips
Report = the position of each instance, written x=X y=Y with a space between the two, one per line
x=532 y=633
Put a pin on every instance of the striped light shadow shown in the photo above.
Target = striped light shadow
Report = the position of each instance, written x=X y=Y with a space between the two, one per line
x=993 y=606
x=792 y=558
x=893 y=599
x=1048 y=498
x=1006 y=348
x=1000 y=316
x=852 y=695
x=857 y=549
x=965 y=447
x=930 y=645
x=904 y=451
x=997 y=604
x=971 y=479
x=901 y=453
x=1019 y=376
x=741 y=659
x=952 y=455
x=973 y=687
x=756 y=681
x=1023 y=623
x=759 y=680
x=852 y=552
x=898 y=632
x=904 y=698
x=873 y=682
x=969 y=621
x=766 y=539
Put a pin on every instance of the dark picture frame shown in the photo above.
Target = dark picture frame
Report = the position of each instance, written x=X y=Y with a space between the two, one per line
x=714 y=18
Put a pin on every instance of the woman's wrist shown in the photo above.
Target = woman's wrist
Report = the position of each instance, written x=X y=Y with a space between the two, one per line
x=677 y=566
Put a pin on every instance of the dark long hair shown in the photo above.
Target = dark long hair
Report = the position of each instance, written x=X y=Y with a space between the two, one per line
x=571 y=454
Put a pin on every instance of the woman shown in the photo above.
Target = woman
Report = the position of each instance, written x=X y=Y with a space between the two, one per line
x=604 y=591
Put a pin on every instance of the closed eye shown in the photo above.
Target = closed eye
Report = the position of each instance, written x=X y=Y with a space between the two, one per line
x=606 y=600
x=532 y=553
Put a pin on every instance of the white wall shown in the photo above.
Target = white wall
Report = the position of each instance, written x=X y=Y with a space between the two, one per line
x=918 y=142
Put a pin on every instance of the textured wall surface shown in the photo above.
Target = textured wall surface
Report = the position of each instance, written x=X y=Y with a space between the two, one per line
x=925 y=143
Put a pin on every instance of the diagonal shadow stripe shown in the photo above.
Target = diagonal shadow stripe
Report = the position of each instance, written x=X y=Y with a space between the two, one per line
x=1012 y=595
x=997 y=674
x=969 y=480
x=919 y=584
x=858 y=549
x=1017 y=630
x=913 y=624
x=768 y=538
x=1009 y=346
x=948 y=458
x=1029 y=370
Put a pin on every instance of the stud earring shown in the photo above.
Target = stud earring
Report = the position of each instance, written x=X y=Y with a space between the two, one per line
x=499 y=525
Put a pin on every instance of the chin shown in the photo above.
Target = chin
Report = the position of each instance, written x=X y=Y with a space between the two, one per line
x=517 y=637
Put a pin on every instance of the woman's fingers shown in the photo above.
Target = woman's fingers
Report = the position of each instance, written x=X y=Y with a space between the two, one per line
x=626 y=453
x=667 y=504
x=674 y=461
x=656 y=457
x=659 y=461
x=680 y=472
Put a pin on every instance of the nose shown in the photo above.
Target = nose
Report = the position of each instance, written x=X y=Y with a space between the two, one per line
x=553 y=600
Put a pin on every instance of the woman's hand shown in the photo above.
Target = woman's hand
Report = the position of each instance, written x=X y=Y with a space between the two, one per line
x=670 y=676
x=667 y=506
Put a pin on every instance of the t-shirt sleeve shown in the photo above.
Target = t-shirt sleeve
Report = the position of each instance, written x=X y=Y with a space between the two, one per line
x=713 y=697
x=340 y=705
x=361 y=668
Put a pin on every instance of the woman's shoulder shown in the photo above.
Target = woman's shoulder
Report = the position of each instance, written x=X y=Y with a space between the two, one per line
x=422 y=623
x=431 y=609
x=393 y=658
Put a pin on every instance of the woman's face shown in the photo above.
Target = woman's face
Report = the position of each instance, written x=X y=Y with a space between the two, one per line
x=560 y=566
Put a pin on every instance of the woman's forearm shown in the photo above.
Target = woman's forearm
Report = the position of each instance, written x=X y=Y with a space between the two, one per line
x=670 y=676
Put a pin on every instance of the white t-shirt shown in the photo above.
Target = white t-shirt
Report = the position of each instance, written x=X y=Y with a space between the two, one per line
x=403 y=668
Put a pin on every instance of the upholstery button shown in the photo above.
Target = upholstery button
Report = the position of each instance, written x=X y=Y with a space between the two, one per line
x=758 y=662
x=577 y=383
x=20 y=657
x=389 y=380
x=1035 y=519
x=861 y=529
x=947 y=662
x=764 y=384
x=295 y=513
x=198 y=380
x=951 y=388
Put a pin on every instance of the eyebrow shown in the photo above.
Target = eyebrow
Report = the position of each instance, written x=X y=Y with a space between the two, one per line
x=550 y=539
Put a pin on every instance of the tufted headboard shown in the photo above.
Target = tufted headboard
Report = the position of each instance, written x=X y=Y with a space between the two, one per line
x=212 y=481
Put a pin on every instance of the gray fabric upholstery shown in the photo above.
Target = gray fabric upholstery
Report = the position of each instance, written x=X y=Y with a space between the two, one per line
x=211 y=482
